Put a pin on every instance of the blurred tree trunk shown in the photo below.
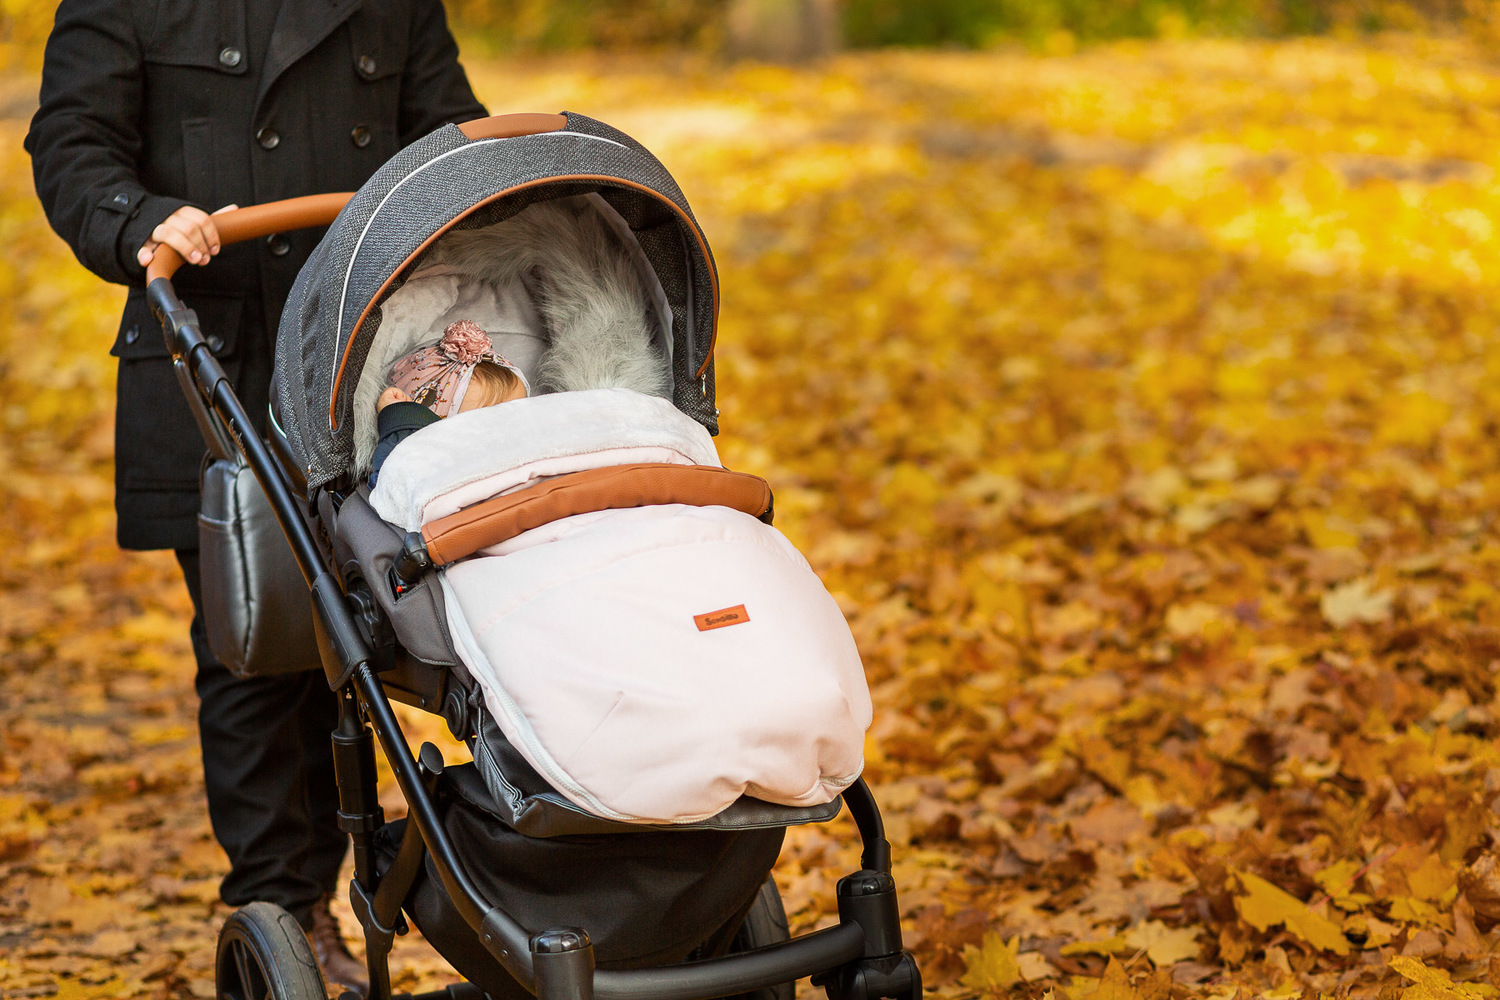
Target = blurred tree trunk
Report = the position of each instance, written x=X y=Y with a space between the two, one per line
x=783 y=30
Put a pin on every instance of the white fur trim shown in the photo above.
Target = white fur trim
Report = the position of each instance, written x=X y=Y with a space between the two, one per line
x=588 y=291
x=563 y=290
x=656 y=294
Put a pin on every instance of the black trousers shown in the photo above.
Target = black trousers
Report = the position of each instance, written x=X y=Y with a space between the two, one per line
x=268 y=772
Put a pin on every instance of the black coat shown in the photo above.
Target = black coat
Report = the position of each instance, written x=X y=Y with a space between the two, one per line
x=147 y=105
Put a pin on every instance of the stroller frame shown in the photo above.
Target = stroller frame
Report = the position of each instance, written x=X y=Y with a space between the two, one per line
x=860 y=958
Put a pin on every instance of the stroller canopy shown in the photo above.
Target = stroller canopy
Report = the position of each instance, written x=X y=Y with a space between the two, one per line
x=472 y=176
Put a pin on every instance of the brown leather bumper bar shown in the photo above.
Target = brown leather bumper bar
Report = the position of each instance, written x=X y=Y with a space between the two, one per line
x=461 y=534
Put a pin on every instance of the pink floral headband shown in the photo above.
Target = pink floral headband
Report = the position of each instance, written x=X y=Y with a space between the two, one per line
x=438 y=375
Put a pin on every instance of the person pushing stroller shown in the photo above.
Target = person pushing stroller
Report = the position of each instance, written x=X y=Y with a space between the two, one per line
x=151 y=114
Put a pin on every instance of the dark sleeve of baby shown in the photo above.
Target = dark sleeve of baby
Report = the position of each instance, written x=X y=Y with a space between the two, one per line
x=395 y=424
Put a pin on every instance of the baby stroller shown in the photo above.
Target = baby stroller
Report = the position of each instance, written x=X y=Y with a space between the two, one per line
x=522 y=891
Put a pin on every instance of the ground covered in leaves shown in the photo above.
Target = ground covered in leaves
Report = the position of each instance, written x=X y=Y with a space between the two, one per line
x=1139 y=406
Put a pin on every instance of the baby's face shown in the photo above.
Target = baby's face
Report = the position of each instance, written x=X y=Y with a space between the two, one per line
x=483 y=395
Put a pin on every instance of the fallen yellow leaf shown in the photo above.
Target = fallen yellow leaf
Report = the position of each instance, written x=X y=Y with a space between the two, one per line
x=1114 y=984
x=994 y=965
x=1164 y=945
x=1263 y=905
x=1429 y=983
x=1355 y=601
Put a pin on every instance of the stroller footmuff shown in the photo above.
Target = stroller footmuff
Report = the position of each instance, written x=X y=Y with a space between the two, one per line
x=652 y=681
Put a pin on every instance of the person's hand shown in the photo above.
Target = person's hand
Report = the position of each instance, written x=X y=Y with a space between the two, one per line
x=391 y=395
x=190 y=231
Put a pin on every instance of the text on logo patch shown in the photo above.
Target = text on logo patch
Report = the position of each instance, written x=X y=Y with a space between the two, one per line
x=722 y=619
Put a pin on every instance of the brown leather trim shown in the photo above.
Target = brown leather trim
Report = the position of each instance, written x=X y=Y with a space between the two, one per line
x=510 y=126
x=338 y=377
x=612 y=488
x=255 y=221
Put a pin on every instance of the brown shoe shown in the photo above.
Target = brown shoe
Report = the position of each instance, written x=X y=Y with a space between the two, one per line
x=339 y=967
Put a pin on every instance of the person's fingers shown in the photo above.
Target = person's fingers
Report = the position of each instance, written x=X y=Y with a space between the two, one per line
x=183 y=232
x=211 y=230
x=195 y=224
x=190 y=231
x=172 y=233
x=192 y=251
x=219 y=212
x=210 y=234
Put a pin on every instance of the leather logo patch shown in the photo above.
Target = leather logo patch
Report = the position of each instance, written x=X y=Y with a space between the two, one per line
x=736 y=615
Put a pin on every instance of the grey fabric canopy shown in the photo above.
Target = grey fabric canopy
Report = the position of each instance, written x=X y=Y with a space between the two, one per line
x=449 y=180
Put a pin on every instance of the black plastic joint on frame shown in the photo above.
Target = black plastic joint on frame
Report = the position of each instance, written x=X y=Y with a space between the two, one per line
x=868 y=898
x=177 y=320
x=564 y=963
x=377 y=935
x=186 y=342
x=497 y=933
x=169 y=311
x=361 y=822
x=430 y=766
x=410 y=564
x=895 y=977
x=340 y=643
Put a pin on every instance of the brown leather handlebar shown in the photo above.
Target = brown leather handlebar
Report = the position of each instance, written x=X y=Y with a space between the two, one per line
x=613 y=487
x=255 y=221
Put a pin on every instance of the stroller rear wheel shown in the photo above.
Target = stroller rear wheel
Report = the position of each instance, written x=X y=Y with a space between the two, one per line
x=263 y=955
x=765 y=924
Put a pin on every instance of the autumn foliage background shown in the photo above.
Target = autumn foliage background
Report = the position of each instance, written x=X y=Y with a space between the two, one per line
x=1138 y=402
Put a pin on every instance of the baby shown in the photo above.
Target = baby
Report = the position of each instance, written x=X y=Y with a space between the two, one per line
x=459 y=373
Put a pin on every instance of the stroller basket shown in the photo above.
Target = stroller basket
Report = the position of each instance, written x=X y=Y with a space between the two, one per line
x=859 y=958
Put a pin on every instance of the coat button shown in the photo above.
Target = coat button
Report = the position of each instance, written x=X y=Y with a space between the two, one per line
x=268 y=138
x=361 y=135
x=132 y=335
x=215 y=343
x=367 y=65
x=122 y=199
x=229 y=57
x=278 y=245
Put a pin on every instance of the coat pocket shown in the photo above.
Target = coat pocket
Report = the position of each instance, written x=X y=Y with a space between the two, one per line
x=193 y=33
x=220 y=317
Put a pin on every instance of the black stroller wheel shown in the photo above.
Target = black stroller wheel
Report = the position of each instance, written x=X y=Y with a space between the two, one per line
x=765 y=924
x=263 y=955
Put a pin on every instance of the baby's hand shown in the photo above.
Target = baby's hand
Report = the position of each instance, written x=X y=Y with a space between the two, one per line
x=391 y=395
